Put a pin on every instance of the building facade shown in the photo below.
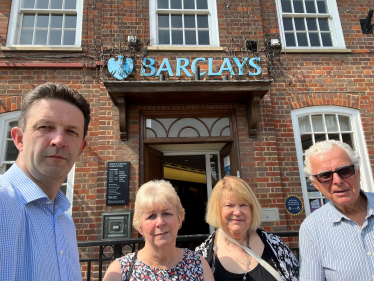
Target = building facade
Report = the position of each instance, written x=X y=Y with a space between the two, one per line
x=191 y=90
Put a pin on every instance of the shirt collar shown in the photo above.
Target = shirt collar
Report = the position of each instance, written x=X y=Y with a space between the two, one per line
x=336 y=215
x=30 y=191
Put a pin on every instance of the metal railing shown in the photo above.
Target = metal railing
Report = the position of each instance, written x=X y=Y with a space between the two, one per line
x=116 y=248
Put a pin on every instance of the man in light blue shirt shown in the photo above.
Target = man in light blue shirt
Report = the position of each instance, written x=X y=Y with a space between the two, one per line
x=337 y=240
x=37 y=235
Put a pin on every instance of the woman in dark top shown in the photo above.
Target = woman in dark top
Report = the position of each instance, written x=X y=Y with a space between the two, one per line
x=236 y=213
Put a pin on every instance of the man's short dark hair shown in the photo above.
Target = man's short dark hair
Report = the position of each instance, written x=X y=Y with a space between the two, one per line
x=54 y=91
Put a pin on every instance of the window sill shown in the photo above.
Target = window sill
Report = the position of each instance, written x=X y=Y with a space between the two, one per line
x=180 y=48
x=40 y=48
x=309 y=50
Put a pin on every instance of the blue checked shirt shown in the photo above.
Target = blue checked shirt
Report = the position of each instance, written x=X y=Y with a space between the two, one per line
x=333 y=247
x=37 y=235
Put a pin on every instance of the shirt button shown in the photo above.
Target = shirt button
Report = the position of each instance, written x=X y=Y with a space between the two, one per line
x=369 y=254
x=61 y=252
x=49 y=202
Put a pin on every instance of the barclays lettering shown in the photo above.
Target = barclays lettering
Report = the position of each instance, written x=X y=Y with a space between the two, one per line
x=121 y=69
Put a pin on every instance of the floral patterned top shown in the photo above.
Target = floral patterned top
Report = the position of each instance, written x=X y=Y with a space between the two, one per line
x=189 y=268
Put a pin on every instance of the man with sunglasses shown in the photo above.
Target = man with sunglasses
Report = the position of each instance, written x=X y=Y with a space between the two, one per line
x=337 y=240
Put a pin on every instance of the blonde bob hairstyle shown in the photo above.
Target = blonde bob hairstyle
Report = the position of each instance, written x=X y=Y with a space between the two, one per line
x=152 y=194
x=241 y=191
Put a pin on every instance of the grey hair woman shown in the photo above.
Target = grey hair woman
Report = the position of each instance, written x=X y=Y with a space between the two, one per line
x=158 y=216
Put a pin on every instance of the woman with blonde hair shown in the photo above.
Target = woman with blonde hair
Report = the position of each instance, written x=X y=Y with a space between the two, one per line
x=158 y=216
x=239 y=249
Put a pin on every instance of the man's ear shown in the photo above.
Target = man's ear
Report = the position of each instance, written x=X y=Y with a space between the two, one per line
x=17 y=136
x=83 y=146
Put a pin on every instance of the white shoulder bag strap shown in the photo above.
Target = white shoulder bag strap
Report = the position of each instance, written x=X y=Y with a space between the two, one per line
x=264 y=264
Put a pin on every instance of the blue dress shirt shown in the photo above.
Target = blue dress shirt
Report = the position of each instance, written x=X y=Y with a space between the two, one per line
x=37 y=235
x=334 y=247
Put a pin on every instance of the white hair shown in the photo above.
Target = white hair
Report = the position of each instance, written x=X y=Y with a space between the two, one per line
x=326 y=146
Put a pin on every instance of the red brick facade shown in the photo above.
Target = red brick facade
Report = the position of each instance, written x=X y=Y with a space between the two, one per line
x=268 y=161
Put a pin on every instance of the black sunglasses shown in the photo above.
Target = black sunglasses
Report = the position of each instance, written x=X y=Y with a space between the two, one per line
x=343 y=172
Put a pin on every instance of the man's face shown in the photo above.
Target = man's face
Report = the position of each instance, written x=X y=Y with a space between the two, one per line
x=52 y=140
x=342 y=192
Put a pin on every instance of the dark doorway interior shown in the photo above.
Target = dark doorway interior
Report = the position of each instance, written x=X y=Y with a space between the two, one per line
x=191 y=190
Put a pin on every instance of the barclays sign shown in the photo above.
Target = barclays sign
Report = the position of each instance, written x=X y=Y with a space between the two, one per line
x=121 y=69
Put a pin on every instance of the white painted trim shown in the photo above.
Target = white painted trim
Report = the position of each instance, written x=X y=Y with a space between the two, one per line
x=70 y=188
x=359 y=143
x=213 y=21
x=15 y=22
x=337 y=35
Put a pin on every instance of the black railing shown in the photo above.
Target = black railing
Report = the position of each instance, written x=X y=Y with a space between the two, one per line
x=119 y=248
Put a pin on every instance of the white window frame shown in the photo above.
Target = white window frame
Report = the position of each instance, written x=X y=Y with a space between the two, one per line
x=5 y=118
x=333 y=17
x=14 y=27
x=358 y=141
x=212 y=19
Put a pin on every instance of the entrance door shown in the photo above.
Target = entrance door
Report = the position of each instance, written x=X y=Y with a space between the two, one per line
x=153 y=164
x=228 y=161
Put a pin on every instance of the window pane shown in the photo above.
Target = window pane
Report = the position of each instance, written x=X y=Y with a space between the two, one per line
x=28 y=21
x=302 y=40
x=310 y=8
x=11 y=151
x=176 y=21
x=290 y=40
x=69 y=37
x=334 y=137
x=163 y=20
x=189 y=4
x=41 y=37
x=56 y=4
x=312 y=24
x=163 y=37
x=190 y=37
x=56 y=21
x=70 y=4
x=344 y=123
x=286 y=6
x=326 y=39
x=175 y=4
x=304 y=125
x=63 y=189
x=314 y=40
x=287 y=23
x=323 y=25
x=26 y=37
x=202 y=4
x=10 y=127
x=42 y=21
x=28 y=3
x=347 y=138
x=299 y=24
x=321 y=7
x=162 y=4
x=202 y=22
x=306 y=141
x=42 y=4
x=298 y=6
x=203 y=37
x=317 y=123
x=311 y=187
x=177 y=37
x=331 y=123
x=70 y=21
x=55 y=37
x=214 y=168
x=319 y=137
x=189 y=21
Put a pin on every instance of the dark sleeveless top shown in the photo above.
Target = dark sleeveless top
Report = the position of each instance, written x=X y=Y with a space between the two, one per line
x=259 y=273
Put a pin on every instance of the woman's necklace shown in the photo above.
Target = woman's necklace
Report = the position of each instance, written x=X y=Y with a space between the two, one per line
x=246 y=264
